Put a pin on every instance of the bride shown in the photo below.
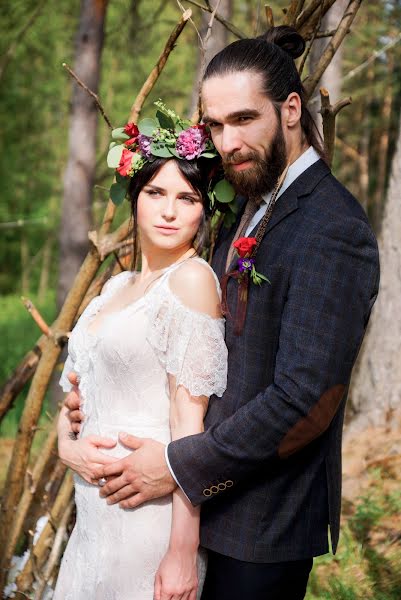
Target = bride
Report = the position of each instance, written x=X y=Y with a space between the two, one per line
x=148 y=352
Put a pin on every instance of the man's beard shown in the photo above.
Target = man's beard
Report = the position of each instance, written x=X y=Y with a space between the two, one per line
x=261 y=178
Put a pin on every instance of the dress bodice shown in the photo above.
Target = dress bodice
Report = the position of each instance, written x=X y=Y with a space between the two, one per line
x=123 y=365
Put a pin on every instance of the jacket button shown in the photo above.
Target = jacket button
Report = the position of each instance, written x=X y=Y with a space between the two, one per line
x=206 y=492
x=229 y=483
x=214 y=489
x=222 y=487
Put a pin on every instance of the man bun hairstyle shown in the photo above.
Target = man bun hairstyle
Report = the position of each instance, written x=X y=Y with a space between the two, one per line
x=271 y=55
x=286 y=38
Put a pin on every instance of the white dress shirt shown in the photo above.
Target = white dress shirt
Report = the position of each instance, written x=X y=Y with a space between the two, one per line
x=303 y=162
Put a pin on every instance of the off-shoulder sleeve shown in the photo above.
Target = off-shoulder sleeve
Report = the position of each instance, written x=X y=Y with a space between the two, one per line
x=190 y=344
x=64 y=382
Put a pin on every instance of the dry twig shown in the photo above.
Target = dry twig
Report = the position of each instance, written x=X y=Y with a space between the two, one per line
x=269 y=16
x=239 y=34
x=36 y=316
x=293 y=11
x=204 y=44
x=329 y=114
x=157 y=69
x=90 y=92
x=56 y=551
x=312 y=80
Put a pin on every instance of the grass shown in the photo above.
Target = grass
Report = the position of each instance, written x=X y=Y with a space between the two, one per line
x=367 y=565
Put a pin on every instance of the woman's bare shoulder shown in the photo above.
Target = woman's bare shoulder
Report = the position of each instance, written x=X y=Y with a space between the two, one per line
x=195 y=284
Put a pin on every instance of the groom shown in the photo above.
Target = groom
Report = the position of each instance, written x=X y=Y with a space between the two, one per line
x=267 y=469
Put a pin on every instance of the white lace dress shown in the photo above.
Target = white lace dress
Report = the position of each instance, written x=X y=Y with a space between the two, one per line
x=114 y=553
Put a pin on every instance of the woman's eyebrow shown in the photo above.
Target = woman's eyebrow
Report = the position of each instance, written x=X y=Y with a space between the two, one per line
x=160 y=189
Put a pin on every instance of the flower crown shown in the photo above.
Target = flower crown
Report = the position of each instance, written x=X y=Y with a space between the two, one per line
x=166 y=136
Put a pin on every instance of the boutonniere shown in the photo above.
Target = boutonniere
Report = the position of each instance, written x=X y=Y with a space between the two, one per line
x=245 y=263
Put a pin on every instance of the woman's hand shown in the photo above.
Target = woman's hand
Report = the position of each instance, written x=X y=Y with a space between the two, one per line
x=83 y=456
x=177 y=575
x=73 y=403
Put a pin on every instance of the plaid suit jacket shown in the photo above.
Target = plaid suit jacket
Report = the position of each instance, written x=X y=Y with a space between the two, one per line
x=267 y=469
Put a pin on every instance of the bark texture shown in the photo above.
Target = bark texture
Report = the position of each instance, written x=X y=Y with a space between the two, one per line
x=376 y=388
x=80 y=172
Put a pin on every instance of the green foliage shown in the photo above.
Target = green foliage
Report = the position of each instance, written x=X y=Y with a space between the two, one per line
x=18 y=334
x=368 y=562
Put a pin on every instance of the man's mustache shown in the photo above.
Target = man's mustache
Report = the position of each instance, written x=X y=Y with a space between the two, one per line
x=237 y=157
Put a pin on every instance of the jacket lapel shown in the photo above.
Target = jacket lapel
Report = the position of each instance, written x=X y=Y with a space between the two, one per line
x=302 y=186
x=286 y=204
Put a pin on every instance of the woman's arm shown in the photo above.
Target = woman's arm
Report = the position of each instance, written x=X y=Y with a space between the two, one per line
x=177 y=573
x=81 y=455
x=195 y=286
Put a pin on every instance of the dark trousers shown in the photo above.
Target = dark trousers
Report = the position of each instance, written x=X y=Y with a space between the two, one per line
x=231 y=579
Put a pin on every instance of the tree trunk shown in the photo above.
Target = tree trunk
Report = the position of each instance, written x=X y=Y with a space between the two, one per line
x=331 y=78
x=217 y=41
x=76 y=219
x=376 y=386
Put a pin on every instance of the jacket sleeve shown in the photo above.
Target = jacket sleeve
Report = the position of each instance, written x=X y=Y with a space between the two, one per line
x=333 y=285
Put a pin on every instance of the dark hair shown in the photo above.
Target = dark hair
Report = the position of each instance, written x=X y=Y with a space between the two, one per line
x=272 y=55
x=196 y=172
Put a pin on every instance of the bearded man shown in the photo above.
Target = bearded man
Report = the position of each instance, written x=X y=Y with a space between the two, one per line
x=267 y=469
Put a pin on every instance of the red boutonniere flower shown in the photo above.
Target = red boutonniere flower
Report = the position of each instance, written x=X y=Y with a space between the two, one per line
x=246 y=264
x=244 y=246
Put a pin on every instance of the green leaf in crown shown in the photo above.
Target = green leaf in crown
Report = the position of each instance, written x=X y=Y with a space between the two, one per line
x=166 y=136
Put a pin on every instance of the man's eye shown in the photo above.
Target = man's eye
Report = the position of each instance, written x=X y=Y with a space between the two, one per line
x=244 y=119
x=213 y=125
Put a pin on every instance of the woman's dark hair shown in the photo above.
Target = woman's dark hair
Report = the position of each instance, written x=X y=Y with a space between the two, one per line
x=196 y=172
x=272 y=55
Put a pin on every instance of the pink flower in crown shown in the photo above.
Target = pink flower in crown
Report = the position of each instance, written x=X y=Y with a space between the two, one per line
x=192 y=142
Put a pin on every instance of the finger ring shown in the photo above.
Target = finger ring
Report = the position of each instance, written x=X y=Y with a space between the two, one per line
x=102 y=481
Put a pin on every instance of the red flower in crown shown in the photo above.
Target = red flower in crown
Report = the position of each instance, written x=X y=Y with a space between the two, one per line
x=245 y=245
x=132 y=130
x=125 y=166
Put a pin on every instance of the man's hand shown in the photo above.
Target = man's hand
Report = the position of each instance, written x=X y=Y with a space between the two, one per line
x=73 y=402
x=141 y=476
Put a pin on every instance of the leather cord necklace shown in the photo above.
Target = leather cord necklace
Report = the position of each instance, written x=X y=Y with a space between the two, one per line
x=241 y=277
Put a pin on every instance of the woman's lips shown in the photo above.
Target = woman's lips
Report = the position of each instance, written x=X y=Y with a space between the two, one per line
x=166 y=229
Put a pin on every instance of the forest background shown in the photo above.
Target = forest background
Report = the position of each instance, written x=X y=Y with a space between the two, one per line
x=35 y=102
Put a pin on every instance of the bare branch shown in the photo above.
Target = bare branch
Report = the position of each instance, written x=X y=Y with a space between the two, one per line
x=92 y=94
x=204 y=44
x=376 y=54
x=157 y=69
x=312 y=80
x=239 y=34
x=56 y=550
x=309 y=48
x=293 y=11
x=311 y=8
x=269 y=16
x=36 y=316
x=329 y=114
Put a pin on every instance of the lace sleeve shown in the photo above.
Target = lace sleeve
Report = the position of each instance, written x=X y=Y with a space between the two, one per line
x=64 y=382
x=190 y=344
